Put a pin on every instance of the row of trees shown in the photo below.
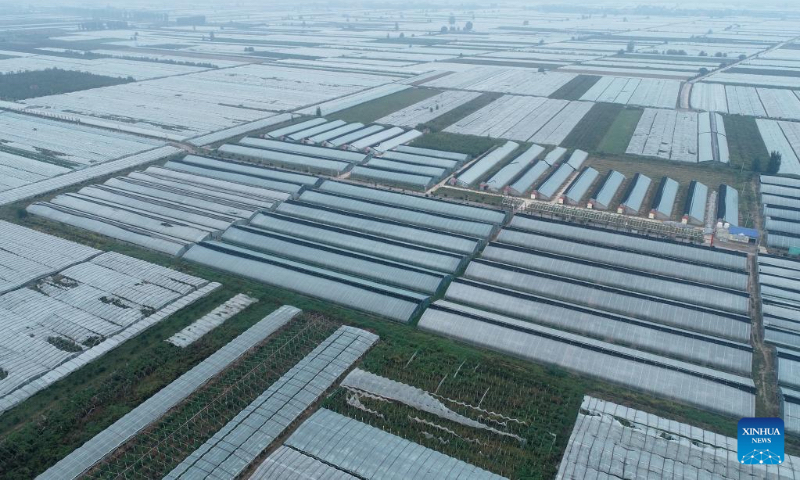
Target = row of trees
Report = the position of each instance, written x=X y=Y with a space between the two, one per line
x=39 y=83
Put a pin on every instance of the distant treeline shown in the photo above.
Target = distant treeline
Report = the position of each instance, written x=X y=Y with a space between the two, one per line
x=40 y=83
x=93 y=56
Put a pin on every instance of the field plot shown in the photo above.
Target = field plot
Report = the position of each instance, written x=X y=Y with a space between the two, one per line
x=29 y=254
x=653 y=446
x=710 y=97
x=646 y=92
x=167 y=209
x=65 y=144
x=504 y=80
x=775 y=103
x=681 y=136
x=17 y=171
x=614 y=67
x=75 y=315
x=534 y=119
x=782 y=137
x=575 y=88
x=753 y=79
x=429 y=109
x=589 y=133
x=109 y=67
x=780 y=200
x=508 y=409
x=213 y=100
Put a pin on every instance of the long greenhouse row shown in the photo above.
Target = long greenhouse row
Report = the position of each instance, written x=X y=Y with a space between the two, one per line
x=168 y=208
x=374 y=250
x=352 y=449
x=779 y=288
x=780 y=205
x=653 y=374
x=629 y=302
x=527 y=119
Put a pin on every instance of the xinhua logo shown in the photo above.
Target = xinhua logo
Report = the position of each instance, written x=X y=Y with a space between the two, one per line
x=760 y=441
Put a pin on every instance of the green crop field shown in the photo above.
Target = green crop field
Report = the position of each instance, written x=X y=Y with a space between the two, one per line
x=443 y=121
x=616 y=139
x=593 y=127
x=380 y=107
x=744 y=141
x=575 y=88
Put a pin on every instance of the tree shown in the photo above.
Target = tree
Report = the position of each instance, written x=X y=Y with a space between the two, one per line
x=396 y=26
x=631 y=47
x=774 y=164
x=211 y=36
x=402 y=35
x=452 y=20
x=526 y=22
x=702 y=54
x=756 y=165
x=742 y=56
x=468 y=27
x=319 y=111
x=703 y=71
x=444 y=29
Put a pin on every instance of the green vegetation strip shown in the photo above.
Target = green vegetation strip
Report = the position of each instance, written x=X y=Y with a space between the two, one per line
x=52 y=81
x=370 y=111
x=746 y=147
x=456 y=114
x=593 y=127
x=575 y=88
x=452 y=142
x=619 y=135
x=503 y=63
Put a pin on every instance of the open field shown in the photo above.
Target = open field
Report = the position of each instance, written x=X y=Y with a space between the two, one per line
x=375 y=109
x=443 y=121
x=452 y=142
x=594 y=128
x=619 y=134
x=576 y=87
x=745 y=142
